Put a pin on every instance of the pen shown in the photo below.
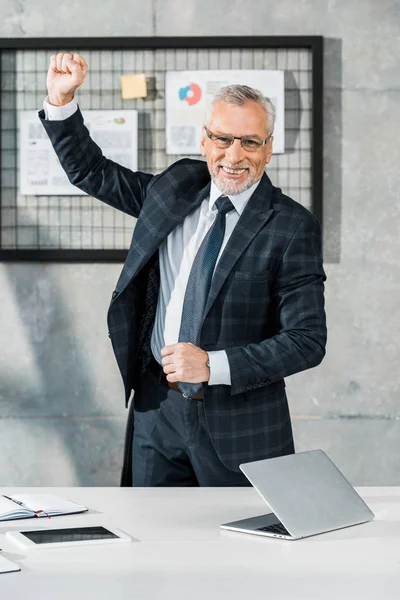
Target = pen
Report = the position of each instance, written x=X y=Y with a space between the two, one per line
x=12 y=500
x=35 y=512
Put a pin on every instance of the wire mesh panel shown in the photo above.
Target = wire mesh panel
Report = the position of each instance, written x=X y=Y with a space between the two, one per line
x=31 y=224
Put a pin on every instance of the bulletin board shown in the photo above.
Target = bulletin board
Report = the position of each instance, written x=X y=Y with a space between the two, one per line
x=75 y=228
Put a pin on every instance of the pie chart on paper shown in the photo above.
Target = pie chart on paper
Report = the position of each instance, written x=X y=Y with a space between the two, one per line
x=190 y=94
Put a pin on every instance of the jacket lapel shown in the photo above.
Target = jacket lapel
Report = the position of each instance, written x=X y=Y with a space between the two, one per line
x=257 y=212
x=166 y=206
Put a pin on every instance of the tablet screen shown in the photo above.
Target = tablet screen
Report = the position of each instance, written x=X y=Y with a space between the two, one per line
x=77 y=534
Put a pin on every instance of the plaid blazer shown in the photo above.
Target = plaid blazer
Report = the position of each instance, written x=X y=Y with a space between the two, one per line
x=266 y=303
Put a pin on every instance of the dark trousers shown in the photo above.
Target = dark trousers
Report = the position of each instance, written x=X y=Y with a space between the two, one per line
x=171 y=444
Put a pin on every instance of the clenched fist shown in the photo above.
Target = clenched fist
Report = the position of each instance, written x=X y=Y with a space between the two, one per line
x=66 y=73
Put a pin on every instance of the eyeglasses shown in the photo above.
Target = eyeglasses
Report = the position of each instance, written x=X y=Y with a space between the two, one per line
x=224 y=140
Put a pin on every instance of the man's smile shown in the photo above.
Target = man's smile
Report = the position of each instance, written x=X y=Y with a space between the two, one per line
x=232 y=172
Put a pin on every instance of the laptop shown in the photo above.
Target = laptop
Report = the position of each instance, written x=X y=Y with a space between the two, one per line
x=307 y=494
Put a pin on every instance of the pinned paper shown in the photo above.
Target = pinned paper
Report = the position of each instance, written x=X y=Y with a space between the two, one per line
x=133 y=86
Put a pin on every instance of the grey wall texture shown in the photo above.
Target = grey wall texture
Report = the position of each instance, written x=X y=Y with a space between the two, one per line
x=62 y=418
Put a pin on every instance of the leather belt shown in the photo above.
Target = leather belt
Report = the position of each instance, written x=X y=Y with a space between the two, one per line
x=157 y=370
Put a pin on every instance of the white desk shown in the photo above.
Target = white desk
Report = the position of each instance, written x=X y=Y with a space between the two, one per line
x=182 y=553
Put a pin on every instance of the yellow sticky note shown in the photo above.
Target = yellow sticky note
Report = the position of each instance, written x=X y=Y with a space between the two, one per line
x=133 y=86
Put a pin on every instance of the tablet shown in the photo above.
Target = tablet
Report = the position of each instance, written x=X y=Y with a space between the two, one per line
x=67 y=536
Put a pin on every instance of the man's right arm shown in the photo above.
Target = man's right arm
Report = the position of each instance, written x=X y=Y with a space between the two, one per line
x=59 y=112
x=80 y=157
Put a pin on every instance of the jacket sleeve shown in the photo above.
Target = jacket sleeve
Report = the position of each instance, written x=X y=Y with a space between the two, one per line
x=90 y=171
x=298 y=291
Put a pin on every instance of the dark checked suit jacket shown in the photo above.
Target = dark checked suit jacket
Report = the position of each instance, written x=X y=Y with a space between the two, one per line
x=266 y=303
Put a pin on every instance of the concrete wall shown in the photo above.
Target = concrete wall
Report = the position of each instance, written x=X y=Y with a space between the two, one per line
x=61 y=401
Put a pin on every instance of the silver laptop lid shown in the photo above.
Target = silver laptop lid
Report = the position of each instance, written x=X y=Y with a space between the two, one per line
x=307 y=492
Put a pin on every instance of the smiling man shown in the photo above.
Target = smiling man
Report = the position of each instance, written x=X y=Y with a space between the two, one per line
x=220 y=296
x=235 y=167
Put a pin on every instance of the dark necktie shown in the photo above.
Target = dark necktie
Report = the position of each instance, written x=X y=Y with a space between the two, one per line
x=199 y=284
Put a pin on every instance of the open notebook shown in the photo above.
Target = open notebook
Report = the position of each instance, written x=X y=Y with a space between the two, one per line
x=23 y=506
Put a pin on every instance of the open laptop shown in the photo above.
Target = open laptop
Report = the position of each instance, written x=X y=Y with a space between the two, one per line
x=307 y=494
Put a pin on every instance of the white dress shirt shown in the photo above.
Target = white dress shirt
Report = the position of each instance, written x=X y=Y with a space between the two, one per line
x=177 y=253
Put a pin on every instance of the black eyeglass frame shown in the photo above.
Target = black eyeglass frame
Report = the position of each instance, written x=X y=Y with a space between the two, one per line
x=209 y=134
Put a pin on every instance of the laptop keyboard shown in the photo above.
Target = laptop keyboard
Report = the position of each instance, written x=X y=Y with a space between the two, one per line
x=276 y=528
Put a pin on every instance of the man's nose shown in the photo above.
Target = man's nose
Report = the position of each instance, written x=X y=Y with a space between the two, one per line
x=235 y=152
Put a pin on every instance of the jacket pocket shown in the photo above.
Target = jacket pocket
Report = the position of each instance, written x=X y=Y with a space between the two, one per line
x=265 y=390
x=249 y=276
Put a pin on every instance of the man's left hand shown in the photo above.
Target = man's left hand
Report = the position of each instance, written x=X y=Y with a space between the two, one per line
x=185 y=362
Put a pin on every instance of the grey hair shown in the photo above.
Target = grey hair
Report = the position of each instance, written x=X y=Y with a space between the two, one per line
x=238 y=95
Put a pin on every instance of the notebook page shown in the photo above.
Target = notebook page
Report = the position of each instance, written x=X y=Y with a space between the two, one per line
x=9 y=509
x=49 y=503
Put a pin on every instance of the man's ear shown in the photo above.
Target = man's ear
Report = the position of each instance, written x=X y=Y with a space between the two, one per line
x=203 y=144
x=270 y=148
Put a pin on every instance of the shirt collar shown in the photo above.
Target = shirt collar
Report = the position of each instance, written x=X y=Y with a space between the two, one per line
x=239 y=201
